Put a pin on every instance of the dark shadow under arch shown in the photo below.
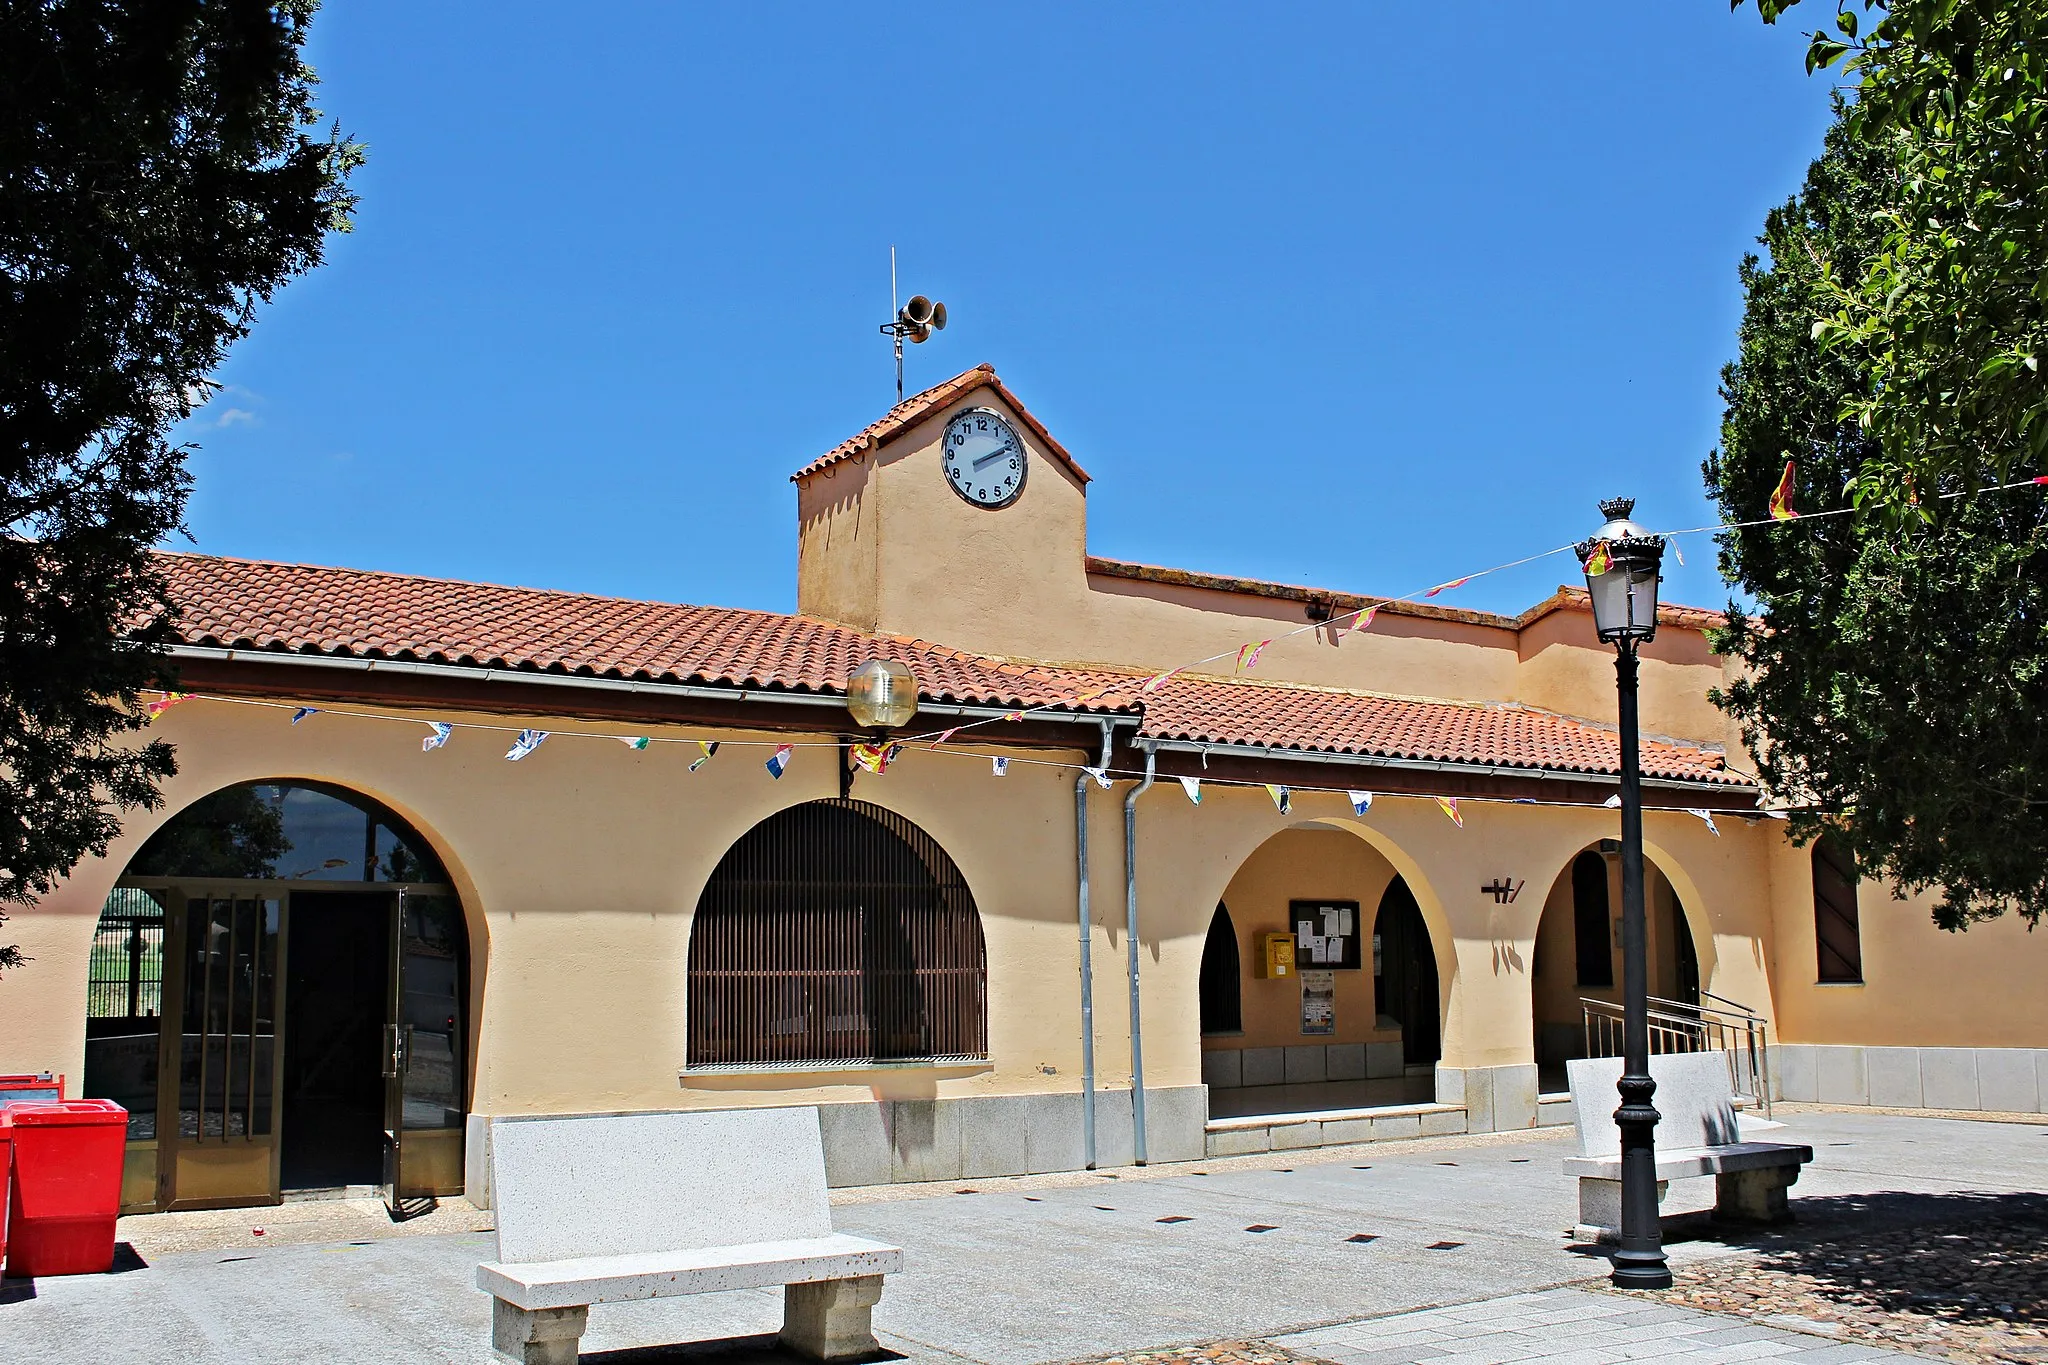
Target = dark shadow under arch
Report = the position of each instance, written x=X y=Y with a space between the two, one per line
x=1404 y=974
x=1221 y=995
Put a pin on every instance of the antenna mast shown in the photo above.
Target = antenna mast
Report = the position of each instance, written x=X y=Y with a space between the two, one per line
x=917 y=320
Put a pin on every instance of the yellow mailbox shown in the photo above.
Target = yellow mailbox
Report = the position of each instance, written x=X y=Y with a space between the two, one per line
x=1276 y=955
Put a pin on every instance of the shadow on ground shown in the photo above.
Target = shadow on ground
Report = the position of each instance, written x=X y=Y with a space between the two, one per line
x=760 y=1350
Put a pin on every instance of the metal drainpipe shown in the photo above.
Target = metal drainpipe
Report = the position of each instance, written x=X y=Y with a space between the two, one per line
x=1081 y=782
x=1131 y=947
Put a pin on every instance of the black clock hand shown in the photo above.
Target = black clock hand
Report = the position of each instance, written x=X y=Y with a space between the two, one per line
x=995 y=454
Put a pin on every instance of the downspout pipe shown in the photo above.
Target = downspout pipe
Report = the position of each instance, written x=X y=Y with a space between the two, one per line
x=1081 y=781
x=1131 y=951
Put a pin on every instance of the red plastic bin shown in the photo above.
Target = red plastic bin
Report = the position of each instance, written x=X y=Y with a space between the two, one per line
x=66 y=1189
x=6 y=1175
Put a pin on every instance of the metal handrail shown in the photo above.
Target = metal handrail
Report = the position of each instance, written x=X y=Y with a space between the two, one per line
x=1738 y=1032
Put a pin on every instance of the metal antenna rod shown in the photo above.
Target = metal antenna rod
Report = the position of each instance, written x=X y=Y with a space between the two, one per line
x=893 y=313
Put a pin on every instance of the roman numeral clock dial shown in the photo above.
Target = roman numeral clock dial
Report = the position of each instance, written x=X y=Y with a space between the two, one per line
x=984 y=460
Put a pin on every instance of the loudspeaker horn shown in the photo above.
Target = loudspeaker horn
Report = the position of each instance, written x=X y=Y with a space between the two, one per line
x=918 y=312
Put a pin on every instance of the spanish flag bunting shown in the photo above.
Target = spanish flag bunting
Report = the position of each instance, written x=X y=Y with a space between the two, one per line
x=2041 y=478
x=1159 y=680
x=876 y=758
x=1363 y=621
x=1248 y=655
x=1014 y=715
x=1599 y=561
x=1450 y=808
x=1282 y=798
x=944 y=735
x=165 y=703
x=1193 y=787
x=778 y=762
x=1445 y=587
x=709 y=747
x=1781 y=501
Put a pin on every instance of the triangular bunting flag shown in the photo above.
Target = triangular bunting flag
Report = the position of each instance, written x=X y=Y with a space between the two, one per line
x=876 y=758
x=165 y=703
x=945 y=735
x=528 y=741
x=1248 y=655
x=709 y=747
x=303 y=712
x=1613 y=802
x=1101 y=777
x=778 y=762
x=1450 y=808
x=1014 y=715
x=1193 y=787
x=1707 y=816
x=1361 y=802
x=1159 y=680
x=1599 y=561
x=442 y=729
x=632 y=741
x=1781 y=501
x=1363 y=621
x=1001 y=765
x=1282 y=798
x=1446 y=587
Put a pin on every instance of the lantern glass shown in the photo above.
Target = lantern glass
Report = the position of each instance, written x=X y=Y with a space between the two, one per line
x=1624 y=597
x=882 y=694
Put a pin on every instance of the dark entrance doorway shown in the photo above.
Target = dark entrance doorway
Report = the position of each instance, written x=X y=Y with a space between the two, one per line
x=1404 y=974
x=336 y=983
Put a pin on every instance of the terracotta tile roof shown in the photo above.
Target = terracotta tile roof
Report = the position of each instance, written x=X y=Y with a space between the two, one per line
x=300 y=609
x=1331 y=720
x=913 y=409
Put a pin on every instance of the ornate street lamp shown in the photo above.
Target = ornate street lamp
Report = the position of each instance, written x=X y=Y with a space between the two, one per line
x=882 y=695
x=1622 y=563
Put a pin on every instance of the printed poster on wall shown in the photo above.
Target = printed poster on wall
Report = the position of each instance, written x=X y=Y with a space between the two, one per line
x=1318 y=1002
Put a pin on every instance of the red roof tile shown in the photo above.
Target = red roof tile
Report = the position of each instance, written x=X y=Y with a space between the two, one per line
x=300 y=609
x=915 y=408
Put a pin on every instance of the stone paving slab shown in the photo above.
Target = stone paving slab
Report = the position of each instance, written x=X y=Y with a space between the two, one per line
x=1566 y=1327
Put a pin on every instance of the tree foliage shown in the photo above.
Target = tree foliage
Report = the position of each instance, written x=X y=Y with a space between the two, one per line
x=1896 y=676
x=1944 y=317
x=161 y=174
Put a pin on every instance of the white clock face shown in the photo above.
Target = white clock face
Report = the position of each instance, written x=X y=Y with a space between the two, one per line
x=984 y=459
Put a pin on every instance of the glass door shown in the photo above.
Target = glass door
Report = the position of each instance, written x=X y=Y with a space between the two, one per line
x=221 y=1077
x=423 y=1063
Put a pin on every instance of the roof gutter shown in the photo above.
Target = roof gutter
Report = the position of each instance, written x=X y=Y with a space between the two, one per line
x=700 y=691
x=1185 y=746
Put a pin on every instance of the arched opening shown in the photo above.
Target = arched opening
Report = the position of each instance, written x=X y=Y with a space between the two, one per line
x=277 y=993
x=1222 y=999
x=1576 y=967
x=836 y=933
x=1404 y=976
x=1294 y=953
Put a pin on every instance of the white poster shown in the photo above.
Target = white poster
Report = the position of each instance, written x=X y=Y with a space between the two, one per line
x=1318 y=1003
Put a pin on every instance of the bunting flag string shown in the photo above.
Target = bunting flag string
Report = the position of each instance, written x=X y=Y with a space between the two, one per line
x=1283 y=798
x=1193 y=787
x=709 y=748
x=528 y=741
x=1001 y=765
x=1361 y=802
x=1450 y=808
x=778 y=762
x=1781 y=501
x=303 y=712
x=441 y=730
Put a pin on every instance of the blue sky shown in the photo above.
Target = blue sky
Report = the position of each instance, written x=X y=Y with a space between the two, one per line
x=1361 y=296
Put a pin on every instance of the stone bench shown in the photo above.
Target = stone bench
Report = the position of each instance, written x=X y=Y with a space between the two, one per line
x=606 y=1209
x=1698 y=1134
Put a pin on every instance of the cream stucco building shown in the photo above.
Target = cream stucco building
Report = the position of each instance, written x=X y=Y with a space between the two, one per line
x=356 y=936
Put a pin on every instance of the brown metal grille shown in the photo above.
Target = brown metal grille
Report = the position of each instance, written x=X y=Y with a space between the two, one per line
x=836 y=931
x=1837 y=934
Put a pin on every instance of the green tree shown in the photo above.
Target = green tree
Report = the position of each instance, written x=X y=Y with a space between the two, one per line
x=161 y=174
x=1896 y=670
x=1944 y=317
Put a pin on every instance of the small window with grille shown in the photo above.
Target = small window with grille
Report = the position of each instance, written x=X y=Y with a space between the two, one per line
x=1837 y=932
x=836 y=933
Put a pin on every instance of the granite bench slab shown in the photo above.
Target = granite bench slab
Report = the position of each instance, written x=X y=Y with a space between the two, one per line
x=1685 y=1163
x=705 y=1270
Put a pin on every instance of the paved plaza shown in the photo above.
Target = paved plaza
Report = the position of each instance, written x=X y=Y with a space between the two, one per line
x=1448 y=1250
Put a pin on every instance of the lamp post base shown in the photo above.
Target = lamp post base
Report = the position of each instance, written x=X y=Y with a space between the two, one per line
x=1637 y=1270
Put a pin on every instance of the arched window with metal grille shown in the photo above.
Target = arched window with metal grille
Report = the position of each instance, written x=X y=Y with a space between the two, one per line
x=834 y=933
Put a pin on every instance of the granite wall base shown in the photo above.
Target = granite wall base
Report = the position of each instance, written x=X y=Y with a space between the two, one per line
x=2003 y=1080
